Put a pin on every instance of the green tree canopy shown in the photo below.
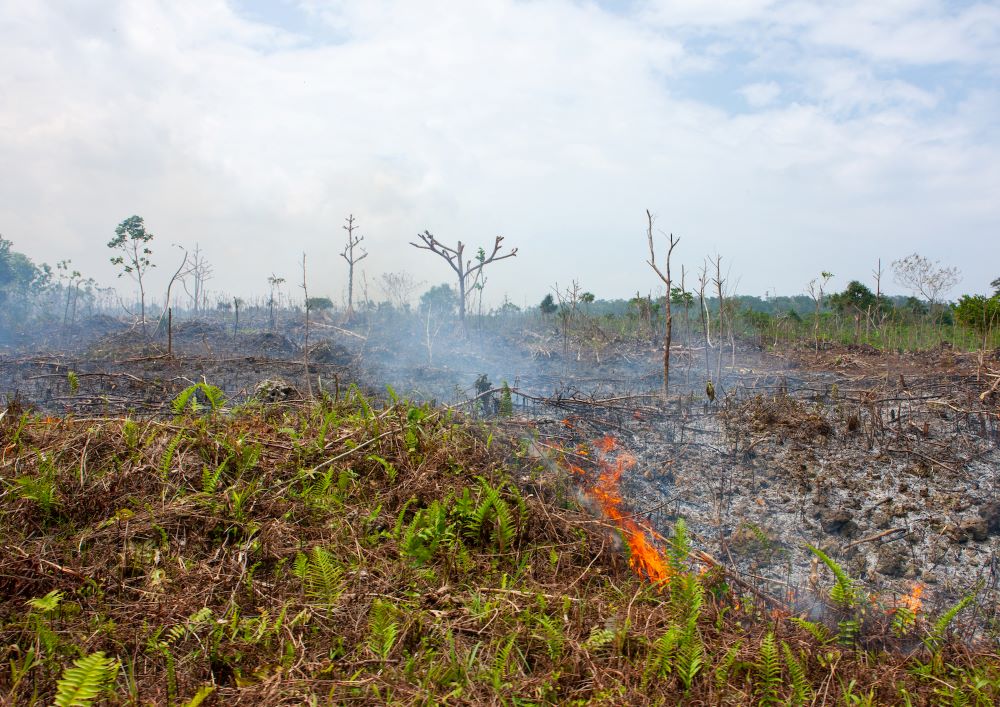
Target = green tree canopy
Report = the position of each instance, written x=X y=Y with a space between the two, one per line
x=856 y=298
x=440 y=299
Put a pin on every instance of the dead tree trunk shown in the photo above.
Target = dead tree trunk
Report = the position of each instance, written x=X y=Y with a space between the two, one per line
x=352 y=260
x=305 y=346
x=718 y=288
x=665 y=277
x=464 y=269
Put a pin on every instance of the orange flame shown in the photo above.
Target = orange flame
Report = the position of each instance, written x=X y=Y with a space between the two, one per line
x=645 y=559
x=912 y=600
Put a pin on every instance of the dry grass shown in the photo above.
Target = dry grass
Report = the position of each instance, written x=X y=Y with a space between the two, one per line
x=336 y=553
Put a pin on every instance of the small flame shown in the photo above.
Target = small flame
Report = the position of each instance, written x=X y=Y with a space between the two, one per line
x=912 y=600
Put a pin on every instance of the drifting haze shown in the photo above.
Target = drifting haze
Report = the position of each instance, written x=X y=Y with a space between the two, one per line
x=790 y=137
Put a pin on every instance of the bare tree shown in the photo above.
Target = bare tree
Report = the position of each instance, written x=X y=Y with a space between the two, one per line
x=200 y=271
x=399 y=288
x=816 y=291
x=928 y=279
x=305 y=347
x=353 y=242
x=71 y=280
x=720 y=291
x=665 y=277
x=167 y=311
x=275 y=282
x=706 y=320
x=465 y=270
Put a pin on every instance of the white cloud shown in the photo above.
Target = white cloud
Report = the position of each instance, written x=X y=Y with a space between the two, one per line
x=761 y=94
x=551 y=122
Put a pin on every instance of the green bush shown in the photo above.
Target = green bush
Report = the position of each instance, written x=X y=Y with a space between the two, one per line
x=978 y=312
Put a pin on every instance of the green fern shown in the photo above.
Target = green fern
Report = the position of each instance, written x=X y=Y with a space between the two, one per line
x=189 y=626
x=818 y=631
x=801 y=689
x=848 y=631
x=769 y=672
x=383 y=628
x=679 y=547
x=86 y=680
x=725 y=665
x=168 y=455
x=188 y=398
x=690 y=659
x=322 y=576
x=660 y=662
x=427 y=533
x=501 y=663
x=844 y=592
x=490 y=518
x=550 y=633
x=599 y=638
x=210 y=478
x=48 y=603
x=940 y=628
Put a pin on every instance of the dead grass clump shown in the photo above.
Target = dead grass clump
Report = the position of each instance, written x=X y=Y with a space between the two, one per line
x=780 y=414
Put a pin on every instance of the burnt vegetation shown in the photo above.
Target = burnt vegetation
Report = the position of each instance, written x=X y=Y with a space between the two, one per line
x=687 y=497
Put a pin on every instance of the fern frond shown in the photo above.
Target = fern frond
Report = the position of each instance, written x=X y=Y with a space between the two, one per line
x=679 y=547
x=599 y=638
x=844 y=592
x=769 y=672
x=86 y=680
x=382 y=628
x=551 y=634
x=690 y=660
x=47 y=603
x=323 y=577
x=168 y=455
x=940 y=628
x=801 y=689
x=725 y=665
x=818 y=631
x=660 y=662
x=506 y=528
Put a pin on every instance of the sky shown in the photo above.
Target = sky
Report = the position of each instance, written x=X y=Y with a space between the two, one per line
x=788 y=137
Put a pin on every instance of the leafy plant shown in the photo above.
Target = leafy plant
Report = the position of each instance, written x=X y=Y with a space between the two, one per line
x=801 y=689
x=940 y=627
x=845 y=592
x=41 y=487
x=427 y=533
x=506 y=401
x=769 y=672
x=321 y=575
x=86 y=680
x=188 y=399
x=383 y=628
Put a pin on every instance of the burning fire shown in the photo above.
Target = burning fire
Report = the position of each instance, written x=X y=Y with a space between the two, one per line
x=645 y=559
x=912 y=600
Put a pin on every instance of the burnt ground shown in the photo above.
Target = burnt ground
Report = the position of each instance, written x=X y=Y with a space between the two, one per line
x=889 y=462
